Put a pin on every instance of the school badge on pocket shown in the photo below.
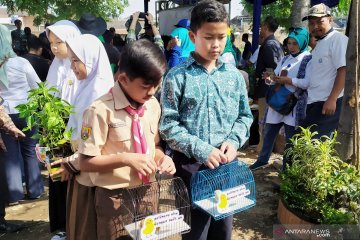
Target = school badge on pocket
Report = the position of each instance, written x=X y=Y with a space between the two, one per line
x=85 y=133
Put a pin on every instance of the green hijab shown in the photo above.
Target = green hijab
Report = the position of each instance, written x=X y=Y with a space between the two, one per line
x=229 y=48
x=301 y=36
x=187 y=46
x=6 y=52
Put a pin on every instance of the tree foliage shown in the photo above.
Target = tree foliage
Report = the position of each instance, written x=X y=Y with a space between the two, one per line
x=52 y=10
x=281 y=9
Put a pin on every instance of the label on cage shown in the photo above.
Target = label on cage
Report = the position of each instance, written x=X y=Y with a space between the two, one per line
x=152 y=225
x=168 y=217
x=224 y=198
x=236 y=192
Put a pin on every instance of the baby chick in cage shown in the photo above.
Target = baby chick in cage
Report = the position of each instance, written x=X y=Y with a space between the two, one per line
x=221 y=201
x=148 y=227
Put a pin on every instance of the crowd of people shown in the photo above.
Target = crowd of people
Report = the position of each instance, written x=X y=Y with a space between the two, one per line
x=175 y=104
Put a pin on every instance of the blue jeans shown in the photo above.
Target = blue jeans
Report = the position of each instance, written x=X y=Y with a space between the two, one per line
x=21 y=153
x=270 y=133
x=325 y=124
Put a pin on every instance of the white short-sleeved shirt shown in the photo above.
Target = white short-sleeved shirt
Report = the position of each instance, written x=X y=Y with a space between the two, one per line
x=22 y=77
x=328 y=56
x=291 y=64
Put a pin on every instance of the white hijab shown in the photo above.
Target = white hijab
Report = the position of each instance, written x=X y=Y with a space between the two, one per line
x=99 y=79
x=60 y=74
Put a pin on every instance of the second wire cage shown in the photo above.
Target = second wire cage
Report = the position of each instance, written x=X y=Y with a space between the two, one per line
x=225 y=190
x=157 y=210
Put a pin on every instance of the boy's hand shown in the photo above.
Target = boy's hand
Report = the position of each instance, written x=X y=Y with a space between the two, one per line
x=166 y=165
x=215 y=158
x=143 y=163
x=65 y=174
x=229 y=150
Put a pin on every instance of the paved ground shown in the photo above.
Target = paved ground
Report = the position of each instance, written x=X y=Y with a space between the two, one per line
x=254 y=223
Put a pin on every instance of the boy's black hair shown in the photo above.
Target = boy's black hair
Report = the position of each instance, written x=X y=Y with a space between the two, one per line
x=17 y=21
x=27 y=30
x=207 y=11
x=143 y=59
x=271 y=23
x=245 y=36
x=34 y=43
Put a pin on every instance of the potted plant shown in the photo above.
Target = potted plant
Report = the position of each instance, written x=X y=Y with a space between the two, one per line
x=318 y=187
x=50 y=115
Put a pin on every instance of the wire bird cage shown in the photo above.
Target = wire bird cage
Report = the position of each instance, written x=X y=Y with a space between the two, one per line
x=157 y=210
x=224 y=191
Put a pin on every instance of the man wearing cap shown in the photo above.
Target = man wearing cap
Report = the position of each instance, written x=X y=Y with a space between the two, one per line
x=326 y=74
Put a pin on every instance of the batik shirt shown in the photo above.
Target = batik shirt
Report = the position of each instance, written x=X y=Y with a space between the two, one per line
x=201 y=109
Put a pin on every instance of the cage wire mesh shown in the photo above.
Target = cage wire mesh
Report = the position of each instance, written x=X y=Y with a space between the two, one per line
x=224 y=191
x=157 y=210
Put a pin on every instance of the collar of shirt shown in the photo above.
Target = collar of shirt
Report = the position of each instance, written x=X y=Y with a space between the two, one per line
x=271 y=37
x=120 y=99
x=325 y=35
x=190 y=61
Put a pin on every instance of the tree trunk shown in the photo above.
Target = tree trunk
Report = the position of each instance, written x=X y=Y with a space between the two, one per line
x=348 y=131
x=299 y=10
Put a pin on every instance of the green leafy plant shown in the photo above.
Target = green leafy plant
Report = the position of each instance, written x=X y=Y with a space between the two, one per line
x=50 y=115
x=318 y=183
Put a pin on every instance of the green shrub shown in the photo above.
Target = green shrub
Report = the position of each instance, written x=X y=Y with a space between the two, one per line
x=317 y=183
x=50 y=115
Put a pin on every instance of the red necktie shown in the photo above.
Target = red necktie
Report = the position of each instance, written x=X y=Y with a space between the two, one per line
x=138 y=134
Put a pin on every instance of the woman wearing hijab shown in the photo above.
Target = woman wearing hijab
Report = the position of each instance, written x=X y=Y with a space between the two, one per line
x=180 y=46
x=91 y=66
x=287 y=72
x=63 y=78
x=229 y=54
x=17 y=77
x=60 y=74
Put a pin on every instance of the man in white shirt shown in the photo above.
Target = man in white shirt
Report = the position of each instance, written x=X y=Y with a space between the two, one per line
x=326 y=73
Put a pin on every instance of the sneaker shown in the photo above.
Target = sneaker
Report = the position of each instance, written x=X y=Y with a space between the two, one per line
x=258 y=165
x=6 y=227
x=59 y=236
